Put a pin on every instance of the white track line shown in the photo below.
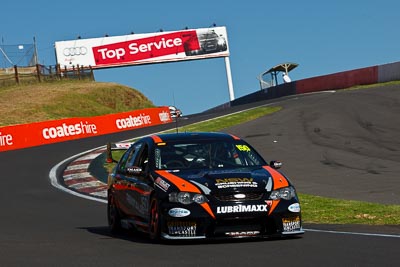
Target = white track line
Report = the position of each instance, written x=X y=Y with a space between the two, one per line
x=351 y=233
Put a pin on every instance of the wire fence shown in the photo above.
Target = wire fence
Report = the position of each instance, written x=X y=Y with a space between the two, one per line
x=40 y=73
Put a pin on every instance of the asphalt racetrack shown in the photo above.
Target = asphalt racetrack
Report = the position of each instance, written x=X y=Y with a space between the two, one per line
x=343 y=144
x=338 y=144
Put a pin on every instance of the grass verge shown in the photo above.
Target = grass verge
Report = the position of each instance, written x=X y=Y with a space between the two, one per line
x=322 y=210
x=228 y=121
x=56 y=100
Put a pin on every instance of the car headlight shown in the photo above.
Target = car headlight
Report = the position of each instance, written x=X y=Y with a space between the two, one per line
x=187 y=198
x=283 y=193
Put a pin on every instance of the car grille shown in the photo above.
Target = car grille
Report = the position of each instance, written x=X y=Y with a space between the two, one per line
x=210 y=46
x=231 y=197
x=243 y=226
x=181 y=228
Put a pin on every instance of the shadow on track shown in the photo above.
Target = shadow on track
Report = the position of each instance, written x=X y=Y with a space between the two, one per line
x=142 y=238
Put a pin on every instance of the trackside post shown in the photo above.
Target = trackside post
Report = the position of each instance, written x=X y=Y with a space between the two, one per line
x=109 y=154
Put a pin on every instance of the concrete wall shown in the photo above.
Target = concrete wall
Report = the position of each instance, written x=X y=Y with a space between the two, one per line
x=389 y=72
x=339 y=80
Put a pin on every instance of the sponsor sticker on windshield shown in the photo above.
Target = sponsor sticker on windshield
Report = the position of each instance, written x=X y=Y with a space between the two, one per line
x=243 y=148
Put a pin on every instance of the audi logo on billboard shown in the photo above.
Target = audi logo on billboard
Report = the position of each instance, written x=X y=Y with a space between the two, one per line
x=75 y=51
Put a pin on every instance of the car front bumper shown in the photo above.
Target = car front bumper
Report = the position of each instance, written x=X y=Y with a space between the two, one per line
x=200 y=225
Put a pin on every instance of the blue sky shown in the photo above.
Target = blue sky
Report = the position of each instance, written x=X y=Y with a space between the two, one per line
x=321 y=36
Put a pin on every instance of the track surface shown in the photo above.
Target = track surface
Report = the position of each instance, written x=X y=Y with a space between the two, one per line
x=342 y=144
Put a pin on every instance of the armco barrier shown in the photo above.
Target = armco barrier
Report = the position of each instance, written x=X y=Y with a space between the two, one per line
x=41 y=133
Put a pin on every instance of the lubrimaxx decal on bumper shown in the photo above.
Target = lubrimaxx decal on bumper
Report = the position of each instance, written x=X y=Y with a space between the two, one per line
x=243 y=208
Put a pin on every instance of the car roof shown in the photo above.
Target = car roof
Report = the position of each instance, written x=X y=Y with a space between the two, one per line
x=193 y=136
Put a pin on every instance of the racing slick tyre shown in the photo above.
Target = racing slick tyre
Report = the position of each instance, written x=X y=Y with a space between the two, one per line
x=155 y=220
x=114 y=220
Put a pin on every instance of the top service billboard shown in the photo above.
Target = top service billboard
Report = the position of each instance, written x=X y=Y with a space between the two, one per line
x=145 y=48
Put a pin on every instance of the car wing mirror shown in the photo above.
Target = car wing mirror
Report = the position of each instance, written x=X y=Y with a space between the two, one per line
x=276 y=164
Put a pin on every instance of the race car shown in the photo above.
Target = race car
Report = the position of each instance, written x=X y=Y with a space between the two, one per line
x=175 y=112
x=200 y=185
x=209 y=42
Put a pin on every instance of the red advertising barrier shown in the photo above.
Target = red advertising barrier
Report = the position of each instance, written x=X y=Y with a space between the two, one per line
x=41 y=133
x=339 y=80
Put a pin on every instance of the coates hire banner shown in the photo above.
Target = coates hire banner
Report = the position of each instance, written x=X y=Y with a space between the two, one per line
x=147 y=48
x=41 y=133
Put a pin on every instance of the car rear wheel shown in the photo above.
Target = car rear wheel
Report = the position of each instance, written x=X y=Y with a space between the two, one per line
x=114 y=220
x=154 y=224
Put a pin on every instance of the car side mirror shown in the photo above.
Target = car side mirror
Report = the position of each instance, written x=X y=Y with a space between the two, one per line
x=276 y=164
x=134 y=170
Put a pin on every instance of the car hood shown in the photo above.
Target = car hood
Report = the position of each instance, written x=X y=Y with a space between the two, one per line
x=227 y=180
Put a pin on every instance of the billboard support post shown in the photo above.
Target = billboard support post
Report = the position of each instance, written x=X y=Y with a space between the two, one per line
x=229 y=78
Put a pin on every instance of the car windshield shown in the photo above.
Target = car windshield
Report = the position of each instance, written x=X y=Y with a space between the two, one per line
x=206 y=154
x=208 y=35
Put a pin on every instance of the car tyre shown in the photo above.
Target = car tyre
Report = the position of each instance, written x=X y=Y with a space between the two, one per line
x=155 y=220
x=114 y=219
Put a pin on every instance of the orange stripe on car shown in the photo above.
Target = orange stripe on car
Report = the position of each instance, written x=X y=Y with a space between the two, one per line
x=208 y=209
x=235 y=137
x=279 y=180
x=273 y=206
x=182 y=184
x=156 y=139
x=129 y=187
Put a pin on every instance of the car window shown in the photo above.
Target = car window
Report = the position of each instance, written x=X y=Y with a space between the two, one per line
x=208 y=35
x=128 y=159
x=206 y=154
x=143 y=158
x=133 y=156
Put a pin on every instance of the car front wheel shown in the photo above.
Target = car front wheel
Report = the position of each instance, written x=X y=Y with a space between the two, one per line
x=154 y=224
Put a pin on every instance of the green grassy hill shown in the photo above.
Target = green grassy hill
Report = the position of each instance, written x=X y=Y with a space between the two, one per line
x=66 y=99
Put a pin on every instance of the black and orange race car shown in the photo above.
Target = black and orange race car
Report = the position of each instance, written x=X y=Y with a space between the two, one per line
x=200 y=185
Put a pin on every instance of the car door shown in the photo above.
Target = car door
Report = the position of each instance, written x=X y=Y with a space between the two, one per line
x=141 y=191
x=125 y=181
